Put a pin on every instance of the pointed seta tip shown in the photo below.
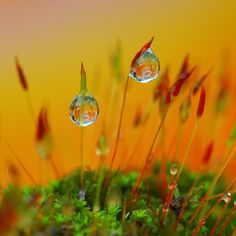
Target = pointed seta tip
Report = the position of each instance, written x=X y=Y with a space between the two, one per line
x=150 y=41
x=82 y=70
x=83 y=87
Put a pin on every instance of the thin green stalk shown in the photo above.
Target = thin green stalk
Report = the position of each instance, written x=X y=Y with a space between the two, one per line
x=81 y=159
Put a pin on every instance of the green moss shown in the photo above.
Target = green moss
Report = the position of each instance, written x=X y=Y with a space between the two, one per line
x=59 y=209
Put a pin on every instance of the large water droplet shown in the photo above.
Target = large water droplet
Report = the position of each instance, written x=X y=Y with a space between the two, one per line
x=146 y=67
x=84 y=110
x=227 y=196
x=174 y=169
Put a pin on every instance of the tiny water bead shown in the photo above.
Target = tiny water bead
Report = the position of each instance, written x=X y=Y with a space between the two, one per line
x=172 y=185
x=102 y=149
x=227 y=196
x=82 y=194
x=174 y=169
x=146 y=67
x=84 y=110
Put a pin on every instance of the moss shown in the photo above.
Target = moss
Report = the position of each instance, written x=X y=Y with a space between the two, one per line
x=60 y=209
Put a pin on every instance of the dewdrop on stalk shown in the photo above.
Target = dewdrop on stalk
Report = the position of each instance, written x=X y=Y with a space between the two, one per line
x=145 y=66
x=174 y=169
x=227 y=196
x=84 y=108
x=102 y=149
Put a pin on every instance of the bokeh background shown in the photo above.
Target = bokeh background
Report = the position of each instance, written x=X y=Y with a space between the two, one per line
x=51 y=38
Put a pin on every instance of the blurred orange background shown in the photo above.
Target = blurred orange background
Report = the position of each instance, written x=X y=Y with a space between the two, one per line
x=51 y=38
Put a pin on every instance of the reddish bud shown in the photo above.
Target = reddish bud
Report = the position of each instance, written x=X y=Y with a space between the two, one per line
x=201 y=104
x=168 y=97
x=138 y=117
x=21 y=75
x=139 y=53
x=42 y=126
x=185 y=65
x=176 y=87
x=208 y=153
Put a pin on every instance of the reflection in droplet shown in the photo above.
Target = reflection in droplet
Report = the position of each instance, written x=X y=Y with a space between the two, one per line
x=146 y=67
x=84 y=110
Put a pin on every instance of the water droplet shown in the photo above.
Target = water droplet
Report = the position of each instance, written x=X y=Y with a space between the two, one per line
x=165 y=208
x=174 y=169
x=203 y=221
x=227 y=196
x=235 y=203
x=82 y=194
x=172 y=185
x=102 y=149
x=84 y=110
x=103 y=153
x=127 y=215
x=146 y=67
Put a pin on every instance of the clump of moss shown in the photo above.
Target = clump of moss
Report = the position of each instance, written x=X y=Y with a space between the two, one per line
x=63 y=208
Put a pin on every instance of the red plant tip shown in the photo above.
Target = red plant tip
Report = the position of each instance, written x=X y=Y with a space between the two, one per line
x=21 y=75
x=176 y=87
x=13 y=170
x=198 y=84
x=137 y=118
x=42 y=126
x=150 y=42
x=185 y=65
x=168 y=97
x=208 y=153
x=139 y=53
x=201 y=104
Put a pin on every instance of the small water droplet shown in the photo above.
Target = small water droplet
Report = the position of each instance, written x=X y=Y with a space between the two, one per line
x=84 y=110
x=146 y=67
x=102 y=149
x=104 y=152
x=82 y=194
x=172 y=185
x=165 y=208
x=202 y=222
x=227 y=196
x=127 y=215
x=174 y=169
x=235 y=203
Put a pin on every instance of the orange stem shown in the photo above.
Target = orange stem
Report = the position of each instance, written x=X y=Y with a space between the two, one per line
x=117 y=136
